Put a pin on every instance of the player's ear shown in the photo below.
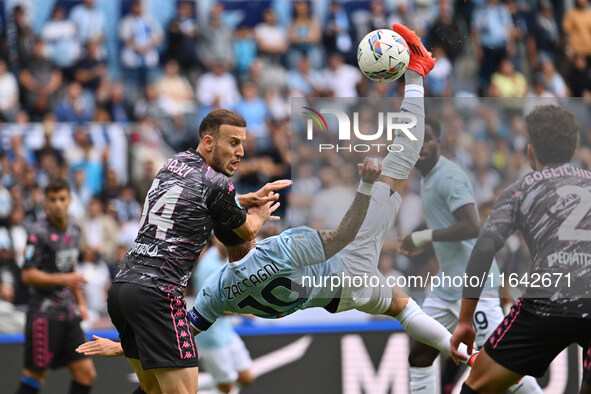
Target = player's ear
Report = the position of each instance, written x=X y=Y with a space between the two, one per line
x=531 y=154
x=208 y=141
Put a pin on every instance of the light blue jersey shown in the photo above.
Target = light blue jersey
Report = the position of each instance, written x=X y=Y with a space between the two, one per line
x=269 y=281
x=221 y=332
x=445 y=189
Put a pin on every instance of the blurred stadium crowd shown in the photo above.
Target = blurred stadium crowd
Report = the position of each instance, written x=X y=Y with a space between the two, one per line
x=103 y=94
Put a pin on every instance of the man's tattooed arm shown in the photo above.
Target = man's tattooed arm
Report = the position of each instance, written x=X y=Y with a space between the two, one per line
x=335 y=240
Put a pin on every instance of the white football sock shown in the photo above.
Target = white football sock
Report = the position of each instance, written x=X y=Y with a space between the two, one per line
x=427 y=330
x=423 y=380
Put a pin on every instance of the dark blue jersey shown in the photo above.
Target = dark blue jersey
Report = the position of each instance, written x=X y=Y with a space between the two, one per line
x=186 y=198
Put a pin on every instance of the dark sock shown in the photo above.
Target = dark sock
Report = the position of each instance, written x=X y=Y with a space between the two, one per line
x=467 y=390
x=139 y=391
x=78 y=388
x=29 y=385
x=449 y=375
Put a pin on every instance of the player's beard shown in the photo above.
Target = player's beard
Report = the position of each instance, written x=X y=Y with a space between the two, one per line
x=217 y=163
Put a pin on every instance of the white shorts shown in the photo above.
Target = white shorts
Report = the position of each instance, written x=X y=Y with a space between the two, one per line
x=368 y=290
x=487 y=317
x=224 y=363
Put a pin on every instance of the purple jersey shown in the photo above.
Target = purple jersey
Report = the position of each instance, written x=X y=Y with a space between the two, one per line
x=186 y=198
x=552 y=209
x=52 y=250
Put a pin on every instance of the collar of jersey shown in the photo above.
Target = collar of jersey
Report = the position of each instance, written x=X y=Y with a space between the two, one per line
x=242 y=260
x=194 y=152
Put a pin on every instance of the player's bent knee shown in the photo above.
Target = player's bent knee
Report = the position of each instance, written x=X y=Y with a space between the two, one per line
x=376 y=300
x=420 y=360
x=421 y=355
x=399 y=302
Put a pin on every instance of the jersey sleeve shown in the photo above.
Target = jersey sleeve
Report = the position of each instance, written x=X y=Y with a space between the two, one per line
x=504 y=218
x=457 y=191
x=222 y=201
x=208 y=307
x=34 y=251
x=306 y=246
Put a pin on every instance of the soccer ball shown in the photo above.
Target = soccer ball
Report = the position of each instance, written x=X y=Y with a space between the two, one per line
x=383 y=55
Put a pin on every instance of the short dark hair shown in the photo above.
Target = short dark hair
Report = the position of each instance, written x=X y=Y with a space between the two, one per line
x=553 y=133
x=57 y=184
x=210 y=125
x=435 y=126
x=227 y=236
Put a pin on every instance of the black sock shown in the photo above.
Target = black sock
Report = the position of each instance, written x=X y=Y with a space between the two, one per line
x=79 y=388
x=29 y=386
x=467 y=390
x=139 y=391
x=449 y=373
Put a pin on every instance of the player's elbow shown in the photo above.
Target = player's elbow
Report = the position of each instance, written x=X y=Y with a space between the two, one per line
x=247 y=234
x=248 y=231
x=472 y=230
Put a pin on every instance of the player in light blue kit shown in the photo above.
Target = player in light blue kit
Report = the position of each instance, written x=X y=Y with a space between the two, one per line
x=221 y=351
x=450 y=212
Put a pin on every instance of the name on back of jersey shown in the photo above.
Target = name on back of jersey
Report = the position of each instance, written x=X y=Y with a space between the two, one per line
x=176 y=167
x=260 y=276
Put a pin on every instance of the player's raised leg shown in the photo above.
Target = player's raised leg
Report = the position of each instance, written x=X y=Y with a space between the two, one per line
x=387 y=192
x=397 y=166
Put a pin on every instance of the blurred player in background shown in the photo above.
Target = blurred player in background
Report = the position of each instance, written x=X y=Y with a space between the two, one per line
x=550 y=207
x=221 y=351
x=449 y=209
x=189 y=194
x=56 y=304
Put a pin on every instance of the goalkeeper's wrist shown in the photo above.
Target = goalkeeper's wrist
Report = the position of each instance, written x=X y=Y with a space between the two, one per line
x=365 y=187
x=422 y=238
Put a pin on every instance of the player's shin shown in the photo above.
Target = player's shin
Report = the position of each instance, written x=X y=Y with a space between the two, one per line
x=427 y=330
x=423 y=380
x=397 y=165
